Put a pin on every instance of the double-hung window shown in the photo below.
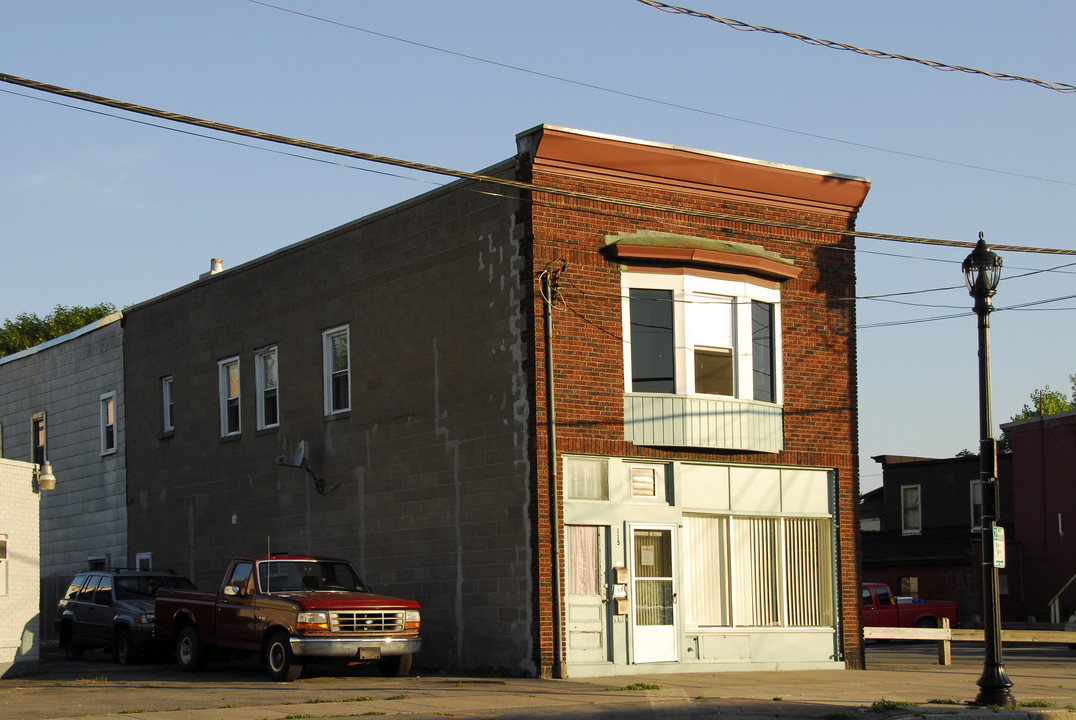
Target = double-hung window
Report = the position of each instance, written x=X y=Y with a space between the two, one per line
x=229 y=396
x=337 y=369
x=108 y=423
x=168 y=404
x=911 y=513
x=697 y=335
x=265 y=378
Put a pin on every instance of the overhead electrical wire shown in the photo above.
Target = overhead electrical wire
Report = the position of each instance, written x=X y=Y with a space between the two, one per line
x=477 y=177
x=877 y=54
x=656 y=101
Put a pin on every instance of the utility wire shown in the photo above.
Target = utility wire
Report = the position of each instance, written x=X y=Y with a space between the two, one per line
x=665 y=103
x=490 y=179
x=877 y=54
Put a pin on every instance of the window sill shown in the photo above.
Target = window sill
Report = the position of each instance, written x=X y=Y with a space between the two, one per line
x=272 y=429
x=165 y=434
x=231 y=438
x=339 y=415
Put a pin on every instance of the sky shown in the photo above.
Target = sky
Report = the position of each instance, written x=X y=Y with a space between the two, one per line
x=101 y=206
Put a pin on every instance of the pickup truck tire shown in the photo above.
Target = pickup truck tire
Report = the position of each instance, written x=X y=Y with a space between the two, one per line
x=931 y=623
x=279 y=661
x=123 y=649
x=190 y=654
x=395 y=665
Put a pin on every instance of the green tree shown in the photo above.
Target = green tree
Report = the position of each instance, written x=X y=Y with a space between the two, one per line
x=1045 y=401
x=27 y=329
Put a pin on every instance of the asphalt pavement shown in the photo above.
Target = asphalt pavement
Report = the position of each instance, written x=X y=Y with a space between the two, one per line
x=902 y=680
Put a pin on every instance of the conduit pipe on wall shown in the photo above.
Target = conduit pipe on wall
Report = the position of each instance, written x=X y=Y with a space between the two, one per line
x=548 y=287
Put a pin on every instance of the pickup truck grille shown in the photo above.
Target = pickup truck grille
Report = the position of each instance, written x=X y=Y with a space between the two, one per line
x=366 y=621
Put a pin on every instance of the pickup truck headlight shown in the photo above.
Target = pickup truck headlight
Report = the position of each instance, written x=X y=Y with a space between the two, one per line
x=313 y=621
x=146 y=619
x=411 y=619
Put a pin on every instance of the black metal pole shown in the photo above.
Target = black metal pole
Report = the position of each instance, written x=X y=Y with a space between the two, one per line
x=994 y=683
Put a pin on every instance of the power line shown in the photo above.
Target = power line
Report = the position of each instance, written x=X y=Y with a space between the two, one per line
x=490 y=179
x=877 y=54
x=665 y=103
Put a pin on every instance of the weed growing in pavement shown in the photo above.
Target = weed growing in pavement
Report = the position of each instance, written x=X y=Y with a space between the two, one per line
x=360 y=698
x=301 y=716
x=374 y=712
x=634 y=686
x=397 y=697
x=1035 y=703
x=887 y=705
x=944 y=701
x=99 y=680
x=778 y=699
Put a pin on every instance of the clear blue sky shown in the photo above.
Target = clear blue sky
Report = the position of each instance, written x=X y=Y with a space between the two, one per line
x=94 y=208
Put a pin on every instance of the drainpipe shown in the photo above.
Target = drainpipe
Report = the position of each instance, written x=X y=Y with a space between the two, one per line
x=549 y=289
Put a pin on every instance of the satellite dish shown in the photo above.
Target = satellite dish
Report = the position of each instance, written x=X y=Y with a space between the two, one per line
x=299 y=459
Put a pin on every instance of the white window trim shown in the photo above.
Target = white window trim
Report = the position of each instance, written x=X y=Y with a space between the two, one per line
x=168 y=401
x=260 y=388
x=327 y=370
x=148 y=557
x=222 y=389
x=683 y=288
x=106 y=398
x=919 y=495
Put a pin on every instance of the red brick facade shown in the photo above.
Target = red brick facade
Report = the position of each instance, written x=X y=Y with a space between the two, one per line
x=818 y=330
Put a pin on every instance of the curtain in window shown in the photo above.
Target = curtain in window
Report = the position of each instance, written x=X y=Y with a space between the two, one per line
x=705 y=586
x=809 y=572
x=755 y=572
x=583 y=549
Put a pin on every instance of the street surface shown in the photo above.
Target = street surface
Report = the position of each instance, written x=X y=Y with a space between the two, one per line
x=902 y=679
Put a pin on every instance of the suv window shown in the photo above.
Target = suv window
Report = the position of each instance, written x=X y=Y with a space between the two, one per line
x=104 y=591
x=86 y=595
x=144 y=587
x=74 y=587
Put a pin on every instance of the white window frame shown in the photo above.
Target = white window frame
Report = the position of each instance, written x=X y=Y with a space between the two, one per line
x=328 y=371
x=144 y=561
x=904 y=528
x=262 y=390
x=687 y=288
x=168 y=403
x=223 y=374
x=109 y=426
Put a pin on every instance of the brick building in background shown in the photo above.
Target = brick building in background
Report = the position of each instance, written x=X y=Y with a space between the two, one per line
x=659 y=471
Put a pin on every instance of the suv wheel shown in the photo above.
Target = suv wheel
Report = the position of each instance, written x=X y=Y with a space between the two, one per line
x=123 y=647
x=72 y=650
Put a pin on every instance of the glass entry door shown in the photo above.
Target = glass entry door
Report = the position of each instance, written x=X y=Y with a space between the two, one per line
x=654 y=595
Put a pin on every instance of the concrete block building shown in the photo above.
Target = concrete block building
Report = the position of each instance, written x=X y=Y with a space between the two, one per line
x=594 y=408
x=20 y=637
x=62 y=401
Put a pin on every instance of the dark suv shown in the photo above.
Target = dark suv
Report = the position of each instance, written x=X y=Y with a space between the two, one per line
x=112 y=609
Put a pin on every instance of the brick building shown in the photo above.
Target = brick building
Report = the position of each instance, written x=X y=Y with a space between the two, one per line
x=1044 y=510
x=601 y=417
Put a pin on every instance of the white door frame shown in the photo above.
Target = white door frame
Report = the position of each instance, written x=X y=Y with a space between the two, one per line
x=654 y=643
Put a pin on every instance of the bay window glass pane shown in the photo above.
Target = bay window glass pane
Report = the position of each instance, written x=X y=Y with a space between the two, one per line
x=762 y=351
x=809 y=575
x=713 y=371
x=652 y=358
x=705 y=586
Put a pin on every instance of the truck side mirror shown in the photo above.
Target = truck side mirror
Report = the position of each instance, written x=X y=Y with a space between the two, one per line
x=231 y=590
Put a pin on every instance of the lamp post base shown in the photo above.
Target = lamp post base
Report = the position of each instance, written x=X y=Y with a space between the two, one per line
x=994 y=689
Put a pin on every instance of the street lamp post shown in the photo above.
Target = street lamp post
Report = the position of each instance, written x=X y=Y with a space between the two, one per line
x=982 y=272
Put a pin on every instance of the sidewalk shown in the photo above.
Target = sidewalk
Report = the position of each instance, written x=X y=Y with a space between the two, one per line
x=894 y=688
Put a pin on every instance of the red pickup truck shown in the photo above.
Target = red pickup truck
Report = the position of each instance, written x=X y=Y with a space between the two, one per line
x=882 y=609
x=291 y=609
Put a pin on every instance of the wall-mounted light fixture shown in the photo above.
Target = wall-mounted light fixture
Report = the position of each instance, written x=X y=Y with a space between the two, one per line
x=43 y=474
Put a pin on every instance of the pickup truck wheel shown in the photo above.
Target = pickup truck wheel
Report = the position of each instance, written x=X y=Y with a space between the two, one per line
x=190 y=655
x=395 y=665
x=72 y=650
x=123 y=647
x=279 y=661
x=927 y=623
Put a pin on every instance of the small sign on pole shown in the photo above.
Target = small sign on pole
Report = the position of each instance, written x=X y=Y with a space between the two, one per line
x=999 y=547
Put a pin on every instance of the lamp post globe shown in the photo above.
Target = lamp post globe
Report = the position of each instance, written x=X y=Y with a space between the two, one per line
x=982 y=273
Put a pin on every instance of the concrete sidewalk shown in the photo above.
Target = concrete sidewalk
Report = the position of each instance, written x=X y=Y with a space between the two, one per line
x=895 y=687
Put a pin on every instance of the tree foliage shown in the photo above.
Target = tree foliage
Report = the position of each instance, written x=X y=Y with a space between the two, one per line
x=1044 y=401
x=27 y=329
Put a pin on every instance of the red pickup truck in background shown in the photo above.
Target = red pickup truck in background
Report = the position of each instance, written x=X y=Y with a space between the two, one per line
x=291 y=609
x=882 y=609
